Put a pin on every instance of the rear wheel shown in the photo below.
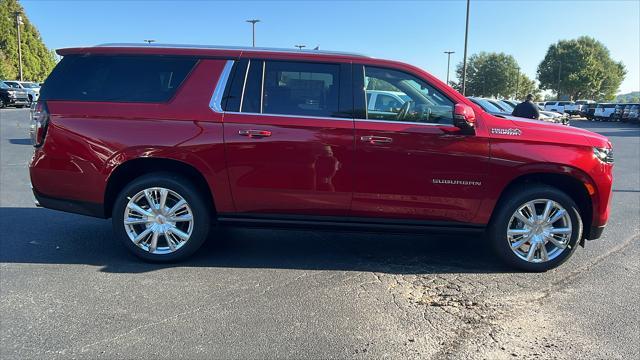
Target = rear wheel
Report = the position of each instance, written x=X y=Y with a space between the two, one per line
x=536 y=228
x=161 y=217
x=2 y=105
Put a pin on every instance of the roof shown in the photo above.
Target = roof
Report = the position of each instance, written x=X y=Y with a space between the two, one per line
x=235 y=49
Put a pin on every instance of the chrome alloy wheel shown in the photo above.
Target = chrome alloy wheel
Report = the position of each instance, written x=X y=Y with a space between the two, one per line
x=539 y=231
x=158 y=220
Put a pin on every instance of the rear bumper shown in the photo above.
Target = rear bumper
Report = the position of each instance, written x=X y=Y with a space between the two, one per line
x=72 y=206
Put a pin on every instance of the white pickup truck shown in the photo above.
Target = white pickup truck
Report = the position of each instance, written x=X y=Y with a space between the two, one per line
x=605 y=112
x=578 y=108
x=557 y=106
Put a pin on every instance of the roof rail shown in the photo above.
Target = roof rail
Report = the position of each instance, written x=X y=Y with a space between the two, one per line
x=222 y=47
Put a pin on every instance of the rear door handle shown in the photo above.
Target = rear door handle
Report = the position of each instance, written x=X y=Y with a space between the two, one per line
x=255 y=134
x=376 y=139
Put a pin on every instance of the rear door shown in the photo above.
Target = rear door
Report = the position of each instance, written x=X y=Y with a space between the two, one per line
x=288 y=131
x=411 y=162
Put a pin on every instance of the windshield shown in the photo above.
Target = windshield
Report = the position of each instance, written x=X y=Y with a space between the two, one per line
x=12 y=85
x=3 y=85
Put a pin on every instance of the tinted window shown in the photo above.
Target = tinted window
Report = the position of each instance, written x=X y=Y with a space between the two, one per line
x=253 y=88
x=291 y=88
x=421 y=102
x=117 y=78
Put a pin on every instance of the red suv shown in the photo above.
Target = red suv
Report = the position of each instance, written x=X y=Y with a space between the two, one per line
x=169 y=140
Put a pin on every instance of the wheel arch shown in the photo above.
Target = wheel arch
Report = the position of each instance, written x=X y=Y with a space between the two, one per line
x=573 y=186
x=132 y=169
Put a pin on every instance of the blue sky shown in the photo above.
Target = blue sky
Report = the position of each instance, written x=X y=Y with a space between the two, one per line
x=416 y=32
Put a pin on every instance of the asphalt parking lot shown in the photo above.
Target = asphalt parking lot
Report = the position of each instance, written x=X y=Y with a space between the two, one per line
x=68 y=290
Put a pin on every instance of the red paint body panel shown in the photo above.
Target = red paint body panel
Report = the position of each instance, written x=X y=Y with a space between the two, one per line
x=397 y=179
x=304 y=167
x=87 y=141
x=310 y=166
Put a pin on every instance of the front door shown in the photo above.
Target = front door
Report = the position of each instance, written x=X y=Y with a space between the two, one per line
x=289 y=146
x=410 y=161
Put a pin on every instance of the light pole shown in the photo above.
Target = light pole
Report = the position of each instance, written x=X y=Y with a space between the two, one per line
x=517 y=80
x=149 y=41
x=448 y=62
x=253 y=30
x=464 y=61
x=300 y=47
x=559 y=70
x=18 y=23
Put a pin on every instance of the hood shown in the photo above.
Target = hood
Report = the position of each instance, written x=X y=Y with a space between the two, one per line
x=557 y=133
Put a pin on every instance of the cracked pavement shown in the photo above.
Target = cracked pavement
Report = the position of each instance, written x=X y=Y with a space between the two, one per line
x=68 y=290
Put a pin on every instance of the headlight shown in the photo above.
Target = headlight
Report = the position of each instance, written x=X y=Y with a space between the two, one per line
x=11 y=93
x=604 y=154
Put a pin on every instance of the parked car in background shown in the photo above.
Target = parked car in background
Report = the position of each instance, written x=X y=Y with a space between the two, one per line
x=617 y=111
x=624 y=117
x=550 y=116
x=557 y=106
x=591 y=110
x=540 y=104
x=277 y=137
x=579 y=107
x=10 y=96
x=32 y=89
x=604 y=112
x=634 y=113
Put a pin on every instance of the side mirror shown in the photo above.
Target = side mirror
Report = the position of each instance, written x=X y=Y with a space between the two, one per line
x=464 y=118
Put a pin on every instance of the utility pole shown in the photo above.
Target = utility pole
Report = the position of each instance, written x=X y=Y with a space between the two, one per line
x=300 y=46
x=448 y=62
x=253 y=30
x=18 y=23
x=559 y=70
x=464 y=61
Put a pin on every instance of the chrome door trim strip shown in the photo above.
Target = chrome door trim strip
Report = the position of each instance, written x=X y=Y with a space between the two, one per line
x=291 y=116
x=216 y=99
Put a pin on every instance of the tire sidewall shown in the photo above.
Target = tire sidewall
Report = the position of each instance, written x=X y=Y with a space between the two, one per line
x=515 y=199
x=178 y=184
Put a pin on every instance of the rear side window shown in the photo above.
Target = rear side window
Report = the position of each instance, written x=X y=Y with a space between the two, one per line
x=296 y=88
x=118 y=78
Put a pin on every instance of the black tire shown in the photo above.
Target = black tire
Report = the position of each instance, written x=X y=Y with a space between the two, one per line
x=202 y=214
x=2 y=105
x=497 y=231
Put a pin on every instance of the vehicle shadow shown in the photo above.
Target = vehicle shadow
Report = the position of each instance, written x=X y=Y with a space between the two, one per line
x=34 y=235
x=20 y=141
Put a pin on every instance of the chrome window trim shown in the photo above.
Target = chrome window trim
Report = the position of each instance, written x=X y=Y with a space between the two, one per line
x=291 y=116
x=405 y=122
x=244 y=83
x=216 y=99
x=264 y=65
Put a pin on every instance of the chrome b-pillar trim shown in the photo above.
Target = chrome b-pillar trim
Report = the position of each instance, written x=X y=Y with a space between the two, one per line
x=216 y=100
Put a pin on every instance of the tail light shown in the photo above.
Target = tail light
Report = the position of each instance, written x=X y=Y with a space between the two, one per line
x=39 y=123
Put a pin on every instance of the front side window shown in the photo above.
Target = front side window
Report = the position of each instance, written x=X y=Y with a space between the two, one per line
x=405 y=98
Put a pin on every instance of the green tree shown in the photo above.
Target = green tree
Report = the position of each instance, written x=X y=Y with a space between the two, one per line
x=584 y=69
x=37 y=60
x=494 y=75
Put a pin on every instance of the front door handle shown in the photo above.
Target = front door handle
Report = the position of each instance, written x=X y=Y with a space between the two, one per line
x=376 y=139
x=255 y=134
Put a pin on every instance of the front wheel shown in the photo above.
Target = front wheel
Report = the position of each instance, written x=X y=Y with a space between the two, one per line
x=161 y=217
x=536 y=228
